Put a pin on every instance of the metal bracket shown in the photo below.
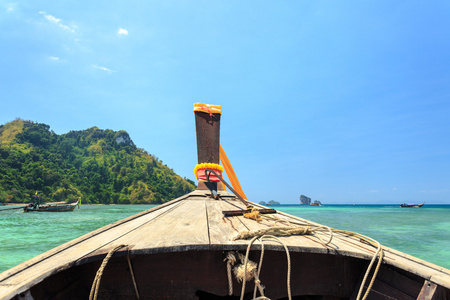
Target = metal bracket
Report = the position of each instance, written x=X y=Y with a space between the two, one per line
x=212 y=186
x=233 y=213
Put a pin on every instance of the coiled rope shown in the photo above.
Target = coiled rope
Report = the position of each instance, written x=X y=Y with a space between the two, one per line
x=307 y=228
x=284 y=231
x=313 y=228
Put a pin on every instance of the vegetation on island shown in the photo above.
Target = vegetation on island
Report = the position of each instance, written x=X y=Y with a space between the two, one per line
x=101 y=166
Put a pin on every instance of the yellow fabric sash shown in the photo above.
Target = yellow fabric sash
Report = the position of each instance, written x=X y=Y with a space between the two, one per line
x=230 y=173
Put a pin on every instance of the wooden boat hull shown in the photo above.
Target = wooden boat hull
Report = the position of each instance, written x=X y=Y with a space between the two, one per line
x=182 y=250
x=412 y=205
x=177 y=251
x=203 y=275
x=56 y=208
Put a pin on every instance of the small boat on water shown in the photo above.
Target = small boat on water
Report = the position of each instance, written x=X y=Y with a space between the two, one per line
x=215 y=244
x=50 y=206
x=412 y=205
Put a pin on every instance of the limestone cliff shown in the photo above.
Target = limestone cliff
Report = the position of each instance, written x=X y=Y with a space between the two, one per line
x=305 y=200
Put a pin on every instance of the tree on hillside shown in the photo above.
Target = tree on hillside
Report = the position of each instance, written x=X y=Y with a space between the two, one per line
x=102 y=166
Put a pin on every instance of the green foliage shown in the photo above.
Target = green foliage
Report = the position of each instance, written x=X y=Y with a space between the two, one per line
x=101 y=166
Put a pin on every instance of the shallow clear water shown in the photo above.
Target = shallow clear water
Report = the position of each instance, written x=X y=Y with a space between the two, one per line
x=25 y=235
x=421 y=232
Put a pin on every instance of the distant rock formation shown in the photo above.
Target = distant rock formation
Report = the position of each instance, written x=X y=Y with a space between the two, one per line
x=122 y=137
x=316 y=203
x=305 y=200
x=271 y=202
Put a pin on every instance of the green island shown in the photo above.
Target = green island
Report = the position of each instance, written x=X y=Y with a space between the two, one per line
x=101 y=166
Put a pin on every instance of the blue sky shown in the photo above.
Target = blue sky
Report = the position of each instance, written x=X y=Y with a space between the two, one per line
x=342 y=101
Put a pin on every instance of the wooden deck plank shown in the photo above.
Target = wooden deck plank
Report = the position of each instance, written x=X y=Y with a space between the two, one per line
x=352 y=246
x=75 y=242
x=223 y=229
x=186 y=225
x=195 y=221
x=311 y=242
x=280 y=221
x=67 y=254
x=427 y=291
x=220 y=228
x=339 y=242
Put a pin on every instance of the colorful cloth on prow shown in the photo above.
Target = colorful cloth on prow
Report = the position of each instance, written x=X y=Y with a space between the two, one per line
x=208 y=108
x=199 y=171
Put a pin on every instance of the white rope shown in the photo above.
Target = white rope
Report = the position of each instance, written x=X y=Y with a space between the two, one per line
x=308 y=228
x=96 y=284
x=245 y=266
x=380 y=253
x=257 y=281
x=231 y=260
x=288 y=262
x=285 y=231
x=257 y=285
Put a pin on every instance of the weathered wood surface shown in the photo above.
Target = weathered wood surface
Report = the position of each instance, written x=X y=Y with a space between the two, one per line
x=25 y=275
x=427 y=291
x=184 y=228
x=208 y=137
x=196 y=222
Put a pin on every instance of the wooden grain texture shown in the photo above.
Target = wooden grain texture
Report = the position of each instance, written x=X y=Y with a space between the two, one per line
x=427 y=291
x=343 y=244
x=220 y=229
x=208 y=137
x=195 y=222
x=66 y=255
x=185 y=226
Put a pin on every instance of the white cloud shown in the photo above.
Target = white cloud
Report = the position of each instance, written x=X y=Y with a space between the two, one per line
x=122 y=31
x=53 y=57
x=103 y=68
x=51 y=18
x=10 y=7
x=56 y=21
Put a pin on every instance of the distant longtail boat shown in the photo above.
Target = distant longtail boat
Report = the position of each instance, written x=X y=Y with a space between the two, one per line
x=412 y=205
x=51 y=206
x=216 y=244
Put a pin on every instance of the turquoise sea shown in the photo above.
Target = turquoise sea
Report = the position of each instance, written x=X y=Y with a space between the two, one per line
x=421 y=232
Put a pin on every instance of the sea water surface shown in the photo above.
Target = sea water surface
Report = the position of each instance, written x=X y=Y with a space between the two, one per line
x=422 y=232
